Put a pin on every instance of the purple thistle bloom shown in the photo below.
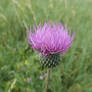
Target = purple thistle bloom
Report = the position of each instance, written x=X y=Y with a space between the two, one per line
x=50 y=39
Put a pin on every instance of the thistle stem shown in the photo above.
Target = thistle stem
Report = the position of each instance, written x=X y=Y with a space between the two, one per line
x=47 y=80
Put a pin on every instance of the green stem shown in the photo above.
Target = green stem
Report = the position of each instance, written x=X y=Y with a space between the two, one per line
x=47 y=80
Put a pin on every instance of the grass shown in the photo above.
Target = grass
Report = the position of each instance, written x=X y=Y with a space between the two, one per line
x=74 y=74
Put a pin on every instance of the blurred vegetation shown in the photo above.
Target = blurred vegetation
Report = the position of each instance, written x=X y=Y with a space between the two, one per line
x=74 y=74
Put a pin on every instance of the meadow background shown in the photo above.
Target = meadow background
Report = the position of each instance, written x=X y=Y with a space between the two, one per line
x=20 y=69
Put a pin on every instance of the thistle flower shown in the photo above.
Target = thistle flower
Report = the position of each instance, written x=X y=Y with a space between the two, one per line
x=50 y=40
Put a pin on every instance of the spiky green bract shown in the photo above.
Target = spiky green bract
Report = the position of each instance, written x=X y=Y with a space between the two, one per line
x=51 y=60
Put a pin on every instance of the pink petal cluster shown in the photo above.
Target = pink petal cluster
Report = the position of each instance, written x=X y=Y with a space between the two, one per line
x=50 y=38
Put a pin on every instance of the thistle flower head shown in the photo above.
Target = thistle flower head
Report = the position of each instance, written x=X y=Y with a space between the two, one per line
x=50 y=39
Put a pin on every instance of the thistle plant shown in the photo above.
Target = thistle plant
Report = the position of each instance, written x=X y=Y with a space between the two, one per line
x=51 y=40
